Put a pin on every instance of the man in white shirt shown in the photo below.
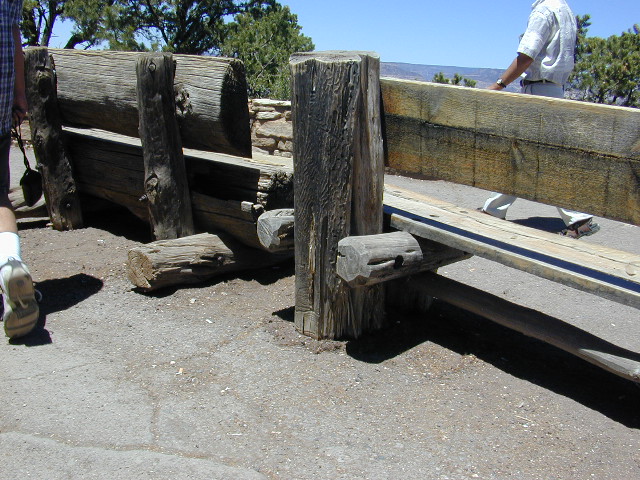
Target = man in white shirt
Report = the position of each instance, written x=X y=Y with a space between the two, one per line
x=546 y=57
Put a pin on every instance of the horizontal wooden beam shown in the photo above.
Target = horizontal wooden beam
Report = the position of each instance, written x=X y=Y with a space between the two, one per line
x=571 y=154
x=593 y=268
x=227 y=192
x=98 y=89
x=532 y=323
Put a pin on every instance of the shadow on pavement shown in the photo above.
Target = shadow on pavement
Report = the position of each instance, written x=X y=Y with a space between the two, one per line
x=523 y=357
x=264 y=276
x=62 y=293
x=548 y=224
x=58 y=294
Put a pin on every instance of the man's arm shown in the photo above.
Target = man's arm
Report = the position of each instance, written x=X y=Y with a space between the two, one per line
x=517 y=68
x=19 y=90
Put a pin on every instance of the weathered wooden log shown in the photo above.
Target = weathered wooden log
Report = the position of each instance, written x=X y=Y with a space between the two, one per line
x=532 y=323
x=111 y=162
x=339 y=176
x=543 y=149
x=59 y=187
x=231 y=216
x=165 y=183
x=275 y=230
x=370 y=259
x=110 y=166
x=98 y=89
x=192 y=259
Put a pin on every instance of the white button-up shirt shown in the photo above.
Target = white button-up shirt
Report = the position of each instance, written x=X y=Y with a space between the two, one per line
x=550 y=40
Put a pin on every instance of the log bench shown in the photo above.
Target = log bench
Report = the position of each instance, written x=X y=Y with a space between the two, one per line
x=543 y=149
x=165 y=136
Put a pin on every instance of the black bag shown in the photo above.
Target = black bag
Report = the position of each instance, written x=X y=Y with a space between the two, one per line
x=31 y=181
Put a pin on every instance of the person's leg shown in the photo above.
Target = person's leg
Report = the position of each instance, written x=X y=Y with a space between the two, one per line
x=20 y=306
x=498 y=204
x=578 y=223
x=570 y=217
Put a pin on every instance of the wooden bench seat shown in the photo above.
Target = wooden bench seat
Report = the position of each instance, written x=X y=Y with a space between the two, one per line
x=597 y=269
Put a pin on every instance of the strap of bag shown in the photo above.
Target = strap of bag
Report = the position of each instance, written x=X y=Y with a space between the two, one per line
x=17 y=134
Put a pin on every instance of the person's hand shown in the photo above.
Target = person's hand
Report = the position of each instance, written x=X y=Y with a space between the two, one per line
x=19 y=111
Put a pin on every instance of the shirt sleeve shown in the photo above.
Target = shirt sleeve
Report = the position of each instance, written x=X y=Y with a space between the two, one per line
x=537 y=34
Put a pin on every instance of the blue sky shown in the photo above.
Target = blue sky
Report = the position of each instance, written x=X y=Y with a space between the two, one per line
x=461 y=33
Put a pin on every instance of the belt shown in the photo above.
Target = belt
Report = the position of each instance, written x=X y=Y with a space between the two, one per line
x=529 y=82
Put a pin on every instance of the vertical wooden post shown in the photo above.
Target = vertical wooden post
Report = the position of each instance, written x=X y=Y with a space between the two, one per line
x=338 y=186
x=165 y=185
x=59 y=187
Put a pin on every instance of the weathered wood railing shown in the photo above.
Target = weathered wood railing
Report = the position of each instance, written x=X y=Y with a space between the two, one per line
x=542 y=149
x=167 y=137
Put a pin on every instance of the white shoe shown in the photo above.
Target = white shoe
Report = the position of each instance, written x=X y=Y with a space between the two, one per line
x=21 y=309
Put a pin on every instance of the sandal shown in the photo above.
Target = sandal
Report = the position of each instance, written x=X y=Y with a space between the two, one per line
x=583 y=228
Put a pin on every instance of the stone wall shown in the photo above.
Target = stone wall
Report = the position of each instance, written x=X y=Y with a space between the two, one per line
x=271 y=129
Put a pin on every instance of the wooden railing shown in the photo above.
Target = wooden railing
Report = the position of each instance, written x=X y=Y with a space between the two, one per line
x=560 y=152
x=168 y=138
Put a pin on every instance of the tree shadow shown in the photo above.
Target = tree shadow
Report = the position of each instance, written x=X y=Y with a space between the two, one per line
x=514 y=353
x=57 y=295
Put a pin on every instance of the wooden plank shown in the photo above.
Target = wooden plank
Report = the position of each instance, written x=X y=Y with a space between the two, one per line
x=600 y=270
x=98 y=89
x=110 y=166
x=572 y=154
x=115 y=162
x=165 y=176
x=338 y=158
x=59 y=187
x=532 y=323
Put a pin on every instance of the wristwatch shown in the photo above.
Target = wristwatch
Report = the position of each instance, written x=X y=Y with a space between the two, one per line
x=501 y=83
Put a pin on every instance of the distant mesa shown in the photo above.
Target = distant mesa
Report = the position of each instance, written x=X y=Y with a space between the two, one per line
x=425 y=73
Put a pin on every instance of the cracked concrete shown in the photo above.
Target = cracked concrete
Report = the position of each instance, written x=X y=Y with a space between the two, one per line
x=213 y=382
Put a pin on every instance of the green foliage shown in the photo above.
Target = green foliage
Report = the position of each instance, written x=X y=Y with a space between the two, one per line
x=264 y=43
x=263 y=34
x=607 y=70
x=180 y=26
x=456 y=80
x=38 y=19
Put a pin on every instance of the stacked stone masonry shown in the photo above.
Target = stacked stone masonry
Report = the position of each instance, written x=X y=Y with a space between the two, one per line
x=271 y=128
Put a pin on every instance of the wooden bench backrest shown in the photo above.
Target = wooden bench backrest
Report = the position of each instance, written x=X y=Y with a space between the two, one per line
x=573 y=154
x=97 y=89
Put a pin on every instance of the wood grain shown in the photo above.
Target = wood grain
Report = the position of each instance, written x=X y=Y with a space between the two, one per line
x=566 y=153
x=165 y=177
x=338 y=185
x=97 y=89
x=59 y=187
